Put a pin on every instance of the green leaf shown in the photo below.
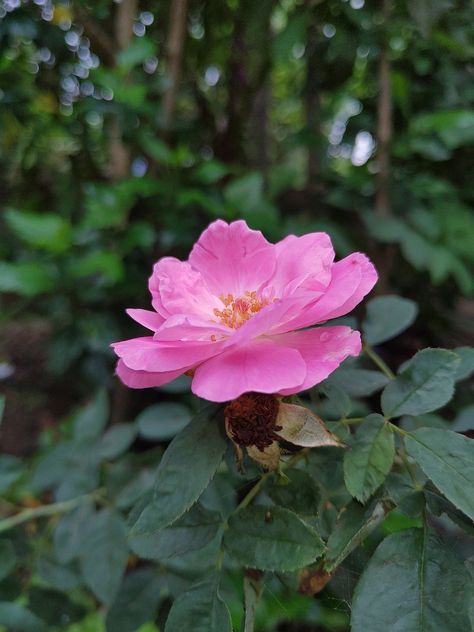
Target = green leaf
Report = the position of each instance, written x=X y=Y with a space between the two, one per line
x=426 y=13
x=53 y=607
x=200 y=446
x=70 y=467
x=161 y=422
x=26 y=278
x=358 y=382
x=387 y=316
x=116 y=440
x=296 y=491
x=7 y=558
x=69 y=533
x=11 y=470
x=464 y=420
x=46 y=230
x=293 y=33
x=454 y=127
x=136 y=602
x=104 y=554
x=211 y=171
x=192 y=531
x=447 y=458
x=439 y=504
x=466 y=366
x=107 y=265
x=353 y=525
x=57 y=575
x=16 y=618
x=90 y=422
x=139 y=49
x=338 y=402
x=370 y=457
x=200 y=609
x=271 y=538
x=245 y=193
x=155 y=147
x=425 y=383
x=107 y=204
x=413 y=583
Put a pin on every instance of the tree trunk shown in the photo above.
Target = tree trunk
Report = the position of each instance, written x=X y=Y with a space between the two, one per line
x=384 y=127
x=174 y=54
x=118 y=151
x=382 y=200
x=313 y=107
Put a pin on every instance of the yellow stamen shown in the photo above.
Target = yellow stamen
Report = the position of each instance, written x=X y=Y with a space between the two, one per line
x=238 y=310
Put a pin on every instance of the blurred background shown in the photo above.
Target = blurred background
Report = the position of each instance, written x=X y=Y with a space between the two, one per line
x=126 y=127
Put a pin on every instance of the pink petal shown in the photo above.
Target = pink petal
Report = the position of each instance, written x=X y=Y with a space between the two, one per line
x=323 y=349
x=269 y=319
x=302 y=263
x=352 y=278
x=178 y=289
x=190 y=328
x=146 y=354
x=150 y=320
x=232 y=258
x=144 y=379
x=261 y=366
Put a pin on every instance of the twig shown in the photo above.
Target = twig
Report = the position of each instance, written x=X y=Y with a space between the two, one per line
x=46 y=510
x=377 y=360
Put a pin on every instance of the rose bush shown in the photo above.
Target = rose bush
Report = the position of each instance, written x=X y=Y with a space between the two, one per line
x=235 y=315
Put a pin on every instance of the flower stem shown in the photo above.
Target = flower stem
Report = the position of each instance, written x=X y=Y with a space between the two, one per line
x=253 y=492
x=252 y=593
x=259 y=484
x=377 y=360
x=45 y=510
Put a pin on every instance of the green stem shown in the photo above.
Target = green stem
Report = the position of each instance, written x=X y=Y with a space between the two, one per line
x=45 y=510
x=252 y=593
x=253 y=492
x=259 y=484
x=400 y=431
x=377 y=360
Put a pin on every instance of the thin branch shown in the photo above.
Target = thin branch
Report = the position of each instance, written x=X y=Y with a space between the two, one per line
x=46 y=510
x=377 y=360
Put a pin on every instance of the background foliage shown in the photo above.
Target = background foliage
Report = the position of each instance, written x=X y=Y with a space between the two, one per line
x=126 y=128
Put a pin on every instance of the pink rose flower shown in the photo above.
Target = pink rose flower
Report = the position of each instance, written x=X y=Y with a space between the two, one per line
x=236 y=315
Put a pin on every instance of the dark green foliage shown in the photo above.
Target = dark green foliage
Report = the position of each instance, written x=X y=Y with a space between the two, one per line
x=413 y=578
x=200 y=609
x=103 y=553
x=425 y=383
x=448 y=460
x=107 y=527
x=136 y=602
x=369 y=458
x=188 y=466
x=272 y=538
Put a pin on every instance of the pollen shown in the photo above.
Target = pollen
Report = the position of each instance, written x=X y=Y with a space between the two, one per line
x=238 y=310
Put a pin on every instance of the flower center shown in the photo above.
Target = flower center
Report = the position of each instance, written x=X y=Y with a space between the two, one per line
x=238 y=310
